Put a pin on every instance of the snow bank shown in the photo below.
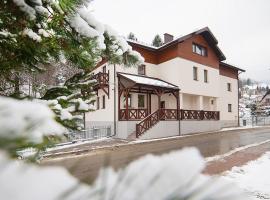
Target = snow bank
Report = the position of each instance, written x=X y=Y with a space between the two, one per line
x=24 y=181
x=254 y=178
x=21 y=118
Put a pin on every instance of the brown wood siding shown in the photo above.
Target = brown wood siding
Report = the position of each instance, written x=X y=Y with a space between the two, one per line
x=229 y=72
x=185 y=51
x=149 y=56
x=167 y=54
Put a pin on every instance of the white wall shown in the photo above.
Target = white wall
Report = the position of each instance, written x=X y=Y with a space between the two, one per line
x=179 y=71
x=227 y=97
x=162 y=129
x=188 y=127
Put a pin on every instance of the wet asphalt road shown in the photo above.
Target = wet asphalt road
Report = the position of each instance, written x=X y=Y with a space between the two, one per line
x=86 y=164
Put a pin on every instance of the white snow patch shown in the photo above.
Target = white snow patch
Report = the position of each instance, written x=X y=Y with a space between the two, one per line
x=24 y=181
x=31 y=34
x=254 y=177
x=65 y=115
x=27 y=119
x=82 y=27
x=26 y=8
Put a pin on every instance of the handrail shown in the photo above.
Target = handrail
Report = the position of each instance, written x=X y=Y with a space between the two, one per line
x=147 y=123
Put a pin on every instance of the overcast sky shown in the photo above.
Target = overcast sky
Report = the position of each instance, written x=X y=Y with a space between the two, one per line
x=242 y=27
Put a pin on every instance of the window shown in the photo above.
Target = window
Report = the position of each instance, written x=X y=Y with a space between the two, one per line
x=198 y=49
x=195 y=73
x=205 y=72
x=104 y=69
x=103 y=102
x=129 y=101
x=97 y=103
x=229 y=107
x=212 y=102
x=141 y=70
x=140 y=101
x=229 y=87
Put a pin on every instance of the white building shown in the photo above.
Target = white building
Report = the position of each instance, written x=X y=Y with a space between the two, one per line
x=183 y=87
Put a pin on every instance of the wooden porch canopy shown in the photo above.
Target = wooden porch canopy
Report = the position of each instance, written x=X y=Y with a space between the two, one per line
x=128 y=83
x=145 y=84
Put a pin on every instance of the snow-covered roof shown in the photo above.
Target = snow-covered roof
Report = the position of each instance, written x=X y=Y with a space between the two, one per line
x=145 y=80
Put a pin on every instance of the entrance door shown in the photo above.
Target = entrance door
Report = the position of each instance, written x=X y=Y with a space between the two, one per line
x=162 y=114
x=162 y=104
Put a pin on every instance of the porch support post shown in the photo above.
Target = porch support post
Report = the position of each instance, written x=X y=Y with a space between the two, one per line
x=177 y=104
x=150 y=104
x=126 y=95
x=120 y=91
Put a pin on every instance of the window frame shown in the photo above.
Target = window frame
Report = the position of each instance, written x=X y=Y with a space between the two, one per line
x=205 y=75
x=143 y=70
x=229 y=107
x=129 y=101
x=201 y=47
x=195 y=73
x=98 y=103
x=229 y=87
x=141 y=95
x=104 y=69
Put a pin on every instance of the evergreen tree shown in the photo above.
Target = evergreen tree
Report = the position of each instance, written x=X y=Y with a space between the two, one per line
x=36 y=33
x=249 y=82
x=132 y=36
x=157 y=41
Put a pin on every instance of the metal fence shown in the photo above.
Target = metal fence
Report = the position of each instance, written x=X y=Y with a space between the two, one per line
x=255 y=121
x=92 y=133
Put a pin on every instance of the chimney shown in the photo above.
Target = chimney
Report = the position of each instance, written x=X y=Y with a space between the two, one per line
x=167 y=38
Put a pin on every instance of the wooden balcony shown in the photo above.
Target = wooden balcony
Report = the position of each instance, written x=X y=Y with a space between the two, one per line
x=102 y=82
x=132 y=114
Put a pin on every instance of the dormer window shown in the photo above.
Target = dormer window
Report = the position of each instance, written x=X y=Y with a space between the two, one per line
x=198 y=49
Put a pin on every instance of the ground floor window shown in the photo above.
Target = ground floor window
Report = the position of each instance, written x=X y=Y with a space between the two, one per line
x=229 y=107
x=103 y=102
x=129 y=101
x=97 y=103
x=141 y=101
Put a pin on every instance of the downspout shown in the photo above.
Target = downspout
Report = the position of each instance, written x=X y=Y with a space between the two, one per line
x=179 y=111
x=114 y=97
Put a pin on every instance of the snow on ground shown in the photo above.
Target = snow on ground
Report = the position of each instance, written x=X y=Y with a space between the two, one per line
x=176 y=175
x=220 y=157
x=254 y=178
x=71 y=144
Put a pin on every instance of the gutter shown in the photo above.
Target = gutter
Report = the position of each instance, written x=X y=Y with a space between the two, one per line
x=114 y=101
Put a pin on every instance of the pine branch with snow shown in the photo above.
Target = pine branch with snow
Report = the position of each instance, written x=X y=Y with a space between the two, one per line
x=70 y=101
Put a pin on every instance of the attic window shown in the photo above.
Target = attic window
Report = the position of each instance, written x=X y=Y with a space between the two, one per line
x=198 y=49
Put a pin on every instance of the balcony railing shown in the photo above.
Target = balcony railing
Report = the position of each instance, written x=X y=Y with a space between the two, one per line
x=132 y=114
x=199 y=115
x=102 y=78
x=168 y=114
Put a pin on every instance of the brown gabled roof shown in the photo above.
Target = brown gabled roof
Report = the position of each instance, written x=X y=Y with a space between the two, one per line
x=205 y=32
x=231 y=66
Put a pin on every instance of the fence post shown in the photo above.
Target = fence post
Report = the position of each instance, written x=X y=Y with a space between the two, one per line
x=137 y=130
x=201 y=115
